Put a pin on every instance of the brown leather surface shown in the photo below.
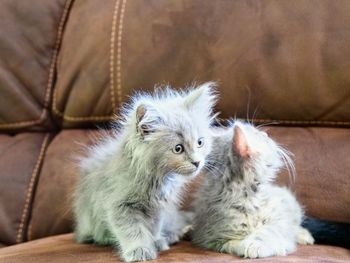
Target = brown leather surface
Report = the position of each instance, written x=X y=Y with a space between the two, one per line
x=21 y=157
x=52 y=213
x=28 y=49
x=63 y=249
x=286 y=59
x=322 y=182
x=83 y=65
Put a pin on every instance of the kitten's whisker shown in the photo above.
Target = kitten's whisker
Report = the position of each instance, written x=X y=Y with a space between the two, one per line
x=289 y=164
x=214 y=169
x=214 y=161
x=248 y=104
x=267 y=124
x=255 y=112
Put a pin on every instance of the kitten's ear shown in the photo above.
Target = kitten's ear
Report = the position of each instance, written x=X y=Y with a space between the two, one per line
x=147 y=119
x=202 y=98
x=240 y=143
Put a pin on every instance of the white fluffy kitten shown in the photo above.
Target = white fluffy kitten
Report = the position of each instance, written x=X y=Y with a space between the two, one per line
x=239 y=210
x=131 y=183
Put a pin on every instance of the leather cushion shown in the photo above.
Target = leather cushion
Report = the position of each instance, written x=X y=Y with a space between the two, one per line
x=29 y=41
x=21 y=157
x=283 y=60
x=64 y=249
x=51 y=212
x=322 y=181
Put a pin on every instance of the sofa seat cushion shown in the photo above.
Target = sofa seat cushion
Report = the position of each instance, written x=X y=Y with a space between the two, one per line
x=63 y=248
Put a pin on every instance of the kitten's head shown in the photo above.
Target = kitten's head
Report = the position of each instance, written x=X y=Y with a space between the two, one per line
x=173 y=128
x=258 y=154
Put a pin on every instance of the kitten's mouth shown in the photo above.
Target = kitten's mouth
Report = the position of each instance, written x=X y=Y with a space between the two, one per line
x=190 y=172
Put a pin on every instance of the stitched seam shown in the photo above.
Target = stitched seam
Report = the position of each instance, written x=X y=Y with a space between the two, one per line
x=112 y=70
x=57 y=46
x=119 y=52
x=58 y=43
x=88 y=118
x=302 y=122
x=19 y=236
x=114 y=22
x=24 y=123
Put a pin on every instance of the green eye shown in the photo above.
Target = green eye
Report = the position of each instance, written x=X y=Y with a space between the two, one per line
x=200 y=142
x=179 y=148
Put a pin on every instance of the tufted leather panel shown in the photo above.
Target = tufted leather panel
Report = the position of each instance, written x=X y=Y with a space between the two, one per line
x=21 y=157
x=29 y=43
x=51 y=212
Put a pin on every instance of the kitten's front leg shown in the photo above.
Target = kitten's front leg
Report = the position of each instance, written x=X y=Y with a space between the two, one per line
x=161 y=242
x=176 y=224
x=135 y=240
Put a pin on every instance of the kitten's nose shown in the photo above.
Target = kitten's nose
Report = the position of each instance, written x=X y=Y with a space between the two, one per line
x=195 y=164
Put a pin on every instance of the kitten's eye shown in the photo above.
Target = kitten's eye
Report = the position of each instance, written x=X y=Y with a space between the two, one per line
x=200 y=142
x=179 y=148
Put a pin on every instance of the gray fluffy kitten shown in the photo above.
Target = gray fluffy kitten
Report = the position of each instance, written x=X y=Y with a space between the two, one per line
x=131 y=184
x=239 y=210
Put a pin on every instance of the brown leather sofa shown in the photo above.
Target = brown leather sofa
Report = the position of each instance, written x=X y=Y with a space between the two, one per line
x=67 y=65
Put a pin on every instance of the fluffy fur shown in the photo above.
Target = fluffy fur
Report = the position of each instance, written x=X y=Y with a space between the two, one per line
x=131 y=182
x=239 y=210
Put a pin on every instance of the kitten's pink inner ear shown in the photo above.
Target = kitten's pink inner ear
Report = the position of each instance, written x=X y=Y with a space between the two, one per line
x=240 y=143
x=140 y=112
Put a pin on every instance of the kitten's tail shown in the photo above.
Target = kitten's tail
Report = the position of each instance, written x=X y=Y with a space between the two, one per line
x=328 y=232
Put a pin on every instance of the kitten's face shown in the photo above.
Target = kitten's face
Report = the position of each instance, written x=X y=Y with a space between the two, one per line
x=183 y=150
x=178 y=134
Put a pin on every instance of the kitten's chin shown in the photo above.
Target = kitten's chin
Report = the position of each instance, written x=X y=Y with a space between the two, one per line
x=189 y=172
x=192 y=174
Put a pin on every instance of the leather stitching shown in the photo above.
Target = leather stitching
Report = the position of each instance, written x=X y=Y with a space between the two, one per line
x=111 y=61
x=50 y=77
x=59 y=37
x=119 y=53
x=112 y=71
x=19 y=236
x=24 y=123
x=302 y=122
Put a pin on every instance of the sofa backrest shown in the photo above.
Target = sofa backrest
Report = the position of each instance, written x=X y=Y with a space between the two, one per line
x=73 y=63
x=77 y=61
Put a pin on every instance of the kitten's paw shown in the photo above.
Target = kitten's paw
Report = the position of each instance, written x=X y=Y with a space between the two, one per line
x=161 y=244
x=251 y=249
x=140 y=254
x=172 y=238
x=258 y=249
x=304 y=237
